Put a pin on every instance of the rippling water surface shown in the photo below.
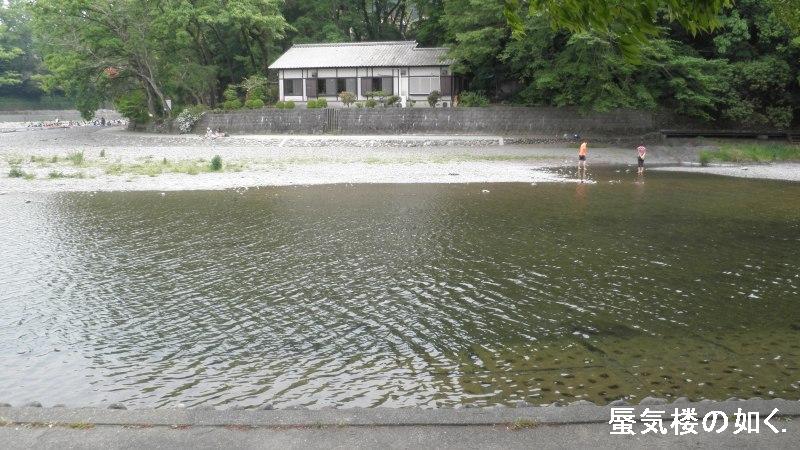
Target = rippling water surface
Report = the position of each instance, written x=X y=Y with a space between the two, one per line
x=402 y=295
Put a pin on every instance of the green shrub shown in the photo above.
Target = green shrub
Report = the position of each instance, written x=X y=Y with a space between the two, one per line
x=216 y=163
x=255 y=87
x=392 y=100
x=359 y=104
x=231 y=98
x=285 y=105
x=472 y=99
x=347 y=98
x=371 y=103
x=433 y=98
x=318 y=103
x=133 y=106
x=230 y=105
x=254 y=103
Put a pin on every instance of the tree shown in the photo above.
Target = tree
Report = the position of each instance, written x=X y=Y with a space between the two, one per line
x=630 y=22
x=168 y=49
x=788 y=11
x=7 y=54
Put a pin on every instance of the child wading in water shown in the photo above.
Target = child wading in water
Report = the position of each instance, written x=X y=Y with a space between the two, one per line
x=582 y=159
x=641 y=151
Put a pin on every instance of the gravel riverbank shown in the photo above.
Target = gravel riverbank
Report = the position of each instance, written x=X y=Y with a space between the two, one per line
x=112 y=159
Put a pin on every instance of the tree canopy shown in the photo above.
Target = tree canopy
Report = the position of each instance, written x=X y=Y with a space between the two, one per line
x=714 y=60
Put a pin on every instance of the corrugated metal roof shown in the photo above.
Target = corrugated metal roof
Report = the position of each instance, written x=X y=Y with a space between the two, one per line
x=360 y=54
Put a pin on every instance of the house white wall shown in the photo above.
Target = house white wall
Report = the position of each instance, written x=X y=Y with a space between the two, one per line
x=401 y=81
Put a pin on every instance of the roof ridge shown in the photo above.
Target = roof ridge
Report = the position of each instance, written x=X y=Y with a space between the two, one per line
x=361 y=43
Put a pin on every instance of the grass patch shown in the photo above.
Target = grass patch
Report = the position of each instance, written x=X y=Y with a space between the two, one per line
x=77 y=159
x=81 y=425
x=16 y=172
x=57 y=174
x=39 y=159
x=152 y=168
x=523 y=424
x=751 y=152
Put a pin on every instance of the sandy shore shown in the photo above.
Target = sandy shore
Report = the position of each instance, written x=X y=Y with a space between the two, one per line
x=777 y=171
x=113 y=159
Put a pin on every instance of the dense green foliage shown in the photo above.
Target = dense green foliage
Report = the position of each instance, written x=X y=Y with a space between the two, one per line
x=167 y=49
x=709 y=59
x=745 y=71
x=472 y=99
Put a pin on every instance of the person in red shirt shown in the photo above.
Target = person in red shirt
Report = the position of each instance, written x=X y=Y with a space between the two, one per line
x=641 y=151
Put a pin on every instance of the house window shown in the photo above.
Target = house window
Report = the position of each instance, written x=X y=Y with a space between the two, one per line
x=326 y=86
x=293 y=86
x=351 y=85
x=382 y=84
x=333 y=86
x=423 y=85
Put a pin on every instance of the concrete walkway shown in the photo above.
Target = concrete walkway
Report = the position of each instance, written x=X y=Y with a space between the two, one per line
x=417 y=437
x=529 y=427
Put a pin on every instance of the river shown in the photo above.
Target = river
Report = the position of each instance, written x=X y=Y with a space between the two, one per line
x=403 y=295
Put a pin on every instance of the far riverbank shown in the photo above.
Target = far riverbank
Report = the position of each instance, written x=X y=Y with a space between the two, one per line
x=112 y=159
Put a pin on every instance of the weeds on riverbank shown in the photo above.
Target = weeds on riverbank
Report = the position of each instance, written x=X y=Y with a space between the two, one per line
x=16 y=172
x=751 y=152
x=77 y=159
x=58 y=174
x=154 y=168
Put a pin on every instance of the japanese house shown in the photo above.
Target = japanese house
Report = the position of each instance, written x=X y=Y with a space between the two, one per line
x=402 y=68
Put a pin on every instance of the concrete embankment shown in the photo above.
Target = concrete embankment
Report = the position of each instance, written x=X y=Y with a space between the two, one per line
x=579 y=424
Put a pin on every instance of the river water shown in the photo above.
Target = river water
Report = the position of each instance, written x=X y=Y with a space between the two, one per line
x=403 y=295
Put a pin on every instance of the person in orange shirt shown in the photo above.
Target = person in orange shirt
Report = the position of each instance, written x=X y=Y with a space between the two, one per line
x=582 y=158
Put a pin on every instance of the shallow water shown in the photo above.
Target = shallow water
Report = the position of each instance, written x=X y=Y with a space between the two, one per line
x=403 y=295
